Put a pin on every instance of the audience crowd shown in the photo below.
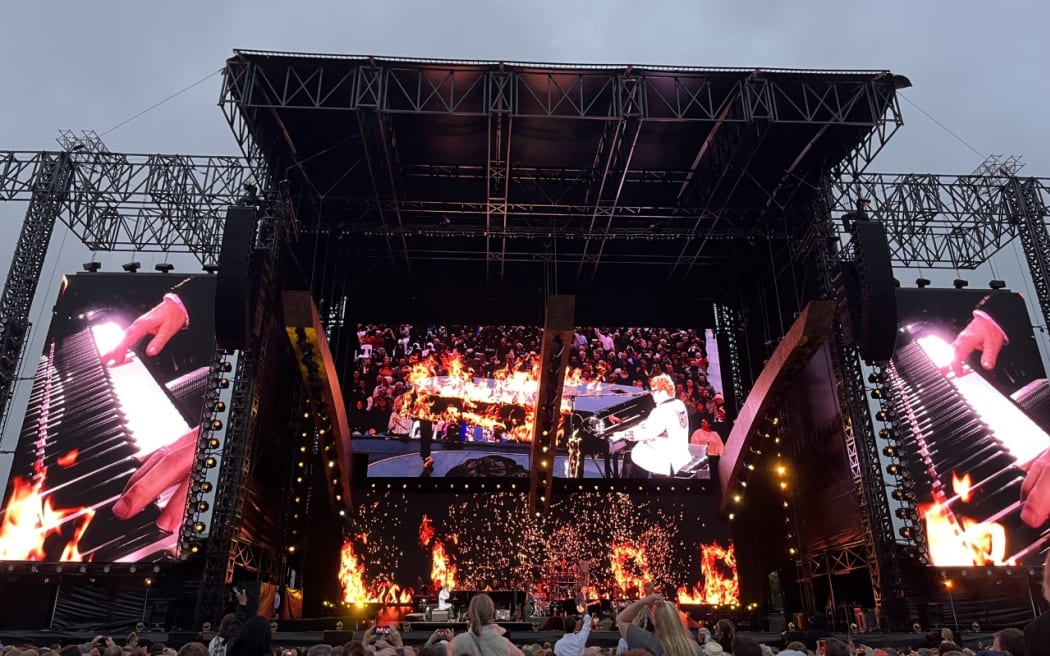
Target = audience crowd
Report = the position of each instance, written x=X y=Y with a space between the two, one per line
x=623 y=356
x=650 y=626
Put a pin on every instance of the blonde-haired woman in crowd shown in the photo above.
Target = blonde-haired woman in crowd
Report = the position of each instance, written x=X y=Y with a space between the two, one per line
x=669 y=637
x=483 y=637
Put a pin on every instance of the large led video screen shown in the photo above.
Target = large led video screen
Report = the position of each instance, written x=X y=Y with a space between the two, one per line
x=102 y=465
x=592 y=546
x=459 y=401
x=973 y=409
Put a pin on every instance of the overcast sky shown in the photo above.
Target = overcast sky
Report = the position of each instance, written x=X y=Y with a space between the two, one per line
x=978 y=67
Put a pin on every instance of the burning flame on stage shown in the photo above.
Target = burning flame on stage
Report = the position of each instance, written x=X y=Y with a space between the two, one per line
x=505 y=403
x=718 y=569
x=630 y=570
x=352 y=576
x=30 y=521
x=959 y=541
x=443 y=568
x=355 y=590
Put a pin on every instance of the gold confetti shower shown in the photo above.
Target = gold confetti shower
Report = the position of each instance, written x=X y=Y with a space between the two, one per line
x=489 y=541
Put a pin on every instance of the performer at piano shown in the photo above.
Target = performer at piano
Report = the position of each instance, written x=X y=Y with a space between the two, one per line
x=662 y=440
x=167 y=320
x=443 y=595
x=989 y=332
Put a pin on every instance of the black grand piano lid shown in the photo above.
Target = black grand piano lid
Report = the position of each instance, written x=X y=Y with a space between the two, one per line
x=592 y=399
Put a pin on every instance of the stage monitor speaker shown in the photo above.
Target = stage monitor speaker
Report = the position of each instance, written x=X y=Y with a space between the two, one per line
x=876 y=332
x=439 y=616
x=179 y=638
x=233 y=289
x=337 y=638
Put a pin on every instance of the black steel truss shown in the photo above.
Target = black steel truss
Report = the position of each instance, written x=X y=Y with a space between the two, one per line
x=862 y=448
x=47 y=188
x=176 y=203
x=943 y=221
x=115 y=201
x=289 y=81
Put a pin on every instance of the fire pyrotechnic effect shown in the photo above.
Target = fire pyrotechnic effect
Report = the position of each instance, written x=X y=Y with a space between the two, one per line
x=482 y=541
x=448 y=390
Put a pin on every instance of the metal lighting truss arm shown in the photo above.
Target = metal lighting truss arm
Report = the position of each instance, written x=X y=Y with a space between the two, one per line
x=947 y=221
x=115 y=201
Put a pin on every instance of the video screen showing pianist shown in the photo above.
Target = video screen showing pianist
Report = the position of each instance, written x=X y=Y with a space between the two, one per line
x=102 y=465
x=973 y=408
x=457 y=400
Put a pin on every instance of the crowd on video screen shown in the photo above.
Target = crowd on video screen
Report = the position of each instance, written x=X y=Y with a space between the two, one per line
x=624 y=356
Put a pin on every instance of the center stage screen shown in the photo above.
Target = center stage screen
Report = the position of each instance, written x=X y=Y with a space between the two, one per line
x=102 y=464
x=458 y=401
x=973 y=407
x=598 y=545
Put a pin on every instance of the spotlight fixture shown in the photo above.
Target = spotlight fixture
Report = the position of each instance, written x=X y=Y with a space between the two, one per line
x=922 y=283
x=994 y=284
x=210 y=267
x=132 y=267
x=92 y=267
x=165 y=267
x=959 y=283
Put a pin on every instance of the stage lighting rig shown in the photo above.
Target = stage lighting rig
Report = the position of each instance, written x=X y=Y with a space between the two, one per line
x=132 y=267
x=922 y=283
x=959 y=283
x=92 y=267
x=165 y=267
x=997 y=284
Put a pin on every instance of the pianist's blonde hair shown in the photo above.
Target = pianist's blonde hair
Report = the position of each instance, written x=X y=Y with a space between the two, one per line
x=662 y=383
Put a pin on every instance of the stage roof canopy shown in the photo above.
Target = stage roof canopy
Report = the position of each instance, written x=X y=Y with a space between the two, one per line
x=504 y=166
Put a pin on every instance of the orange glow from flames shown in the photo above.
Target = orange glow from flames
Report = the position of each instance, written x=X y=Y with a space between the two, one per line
x=30 y=518
x=443 y=568
x=956 y=540
x=630 y=570
x=68 y=459
x=352 y=580
x=959 y=541
x=352 y=575
x=721 y=586
x=962 y=487
x=482 y=401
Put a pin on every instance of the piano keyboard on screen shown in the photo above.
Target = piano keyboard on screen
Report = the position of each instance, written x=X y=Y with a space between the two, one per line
x=87 y=429
x=963 y=426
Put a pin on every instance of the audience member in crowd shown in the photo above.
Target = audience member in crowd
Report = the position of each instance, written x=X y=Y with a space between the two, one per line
x=669 y=637
x=217 y=646
x=483 y=637
x=575 y=639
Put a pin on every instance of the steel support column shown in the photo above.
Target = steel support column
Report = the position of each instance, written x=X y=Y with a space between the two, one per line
x=1028 y=212
x=862 y=451
x=50 y=185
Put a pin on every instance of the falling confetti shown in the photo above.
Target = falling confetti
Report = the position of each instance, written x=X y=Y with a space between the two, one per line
x=490 y=541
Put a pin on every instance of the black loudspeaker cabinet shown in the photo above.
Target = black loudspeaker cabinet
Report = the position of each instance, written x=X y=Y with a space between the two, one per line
x=337 y=637
x=233 y=289
x=876 y=326
x=179 y=638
